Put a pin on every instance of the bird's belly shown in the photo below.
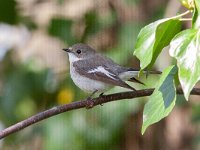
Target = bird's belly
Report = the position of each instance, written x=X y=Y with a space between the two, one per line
x=86 y=84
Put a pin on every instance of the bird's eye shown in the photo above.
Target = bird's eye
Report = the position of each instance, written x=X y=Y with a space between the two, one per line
x=78 y=51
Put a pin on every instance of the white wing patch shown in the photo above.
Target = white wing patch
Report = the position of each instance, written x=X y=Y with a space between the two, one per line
x=102 y=70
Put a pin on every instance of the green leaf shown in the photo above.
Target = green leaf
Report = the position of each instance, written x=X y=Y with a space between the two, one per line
x=153 y=38
x=186 y=49
x=196 y=16
x=197 y=4
x=162 y=101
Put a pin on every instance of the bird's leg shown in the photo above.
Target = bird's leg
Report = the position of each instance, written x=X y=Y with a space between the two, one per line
x=101 y=95
x=90 y=102
x=90 y=97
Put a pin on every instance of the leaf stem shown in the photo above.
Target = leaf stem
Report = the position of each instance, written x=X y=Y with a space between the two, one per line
x=185 y=19
x=183 y=14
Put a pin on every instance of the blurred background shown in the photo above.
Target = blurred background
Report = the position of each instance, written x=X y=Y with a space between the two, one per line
x=34 y=76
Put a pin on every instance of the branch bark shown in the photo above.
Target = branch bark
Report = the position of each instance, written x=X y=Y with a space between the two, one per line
x=81 y=104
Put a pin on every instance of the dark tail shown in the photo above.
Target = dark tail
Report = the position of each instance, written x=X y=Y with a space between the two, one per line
x=136 y=80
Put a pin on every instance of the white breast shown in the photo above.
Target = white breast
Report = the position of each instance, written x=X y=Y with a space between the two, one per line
x=86 y=84
x=73 y=58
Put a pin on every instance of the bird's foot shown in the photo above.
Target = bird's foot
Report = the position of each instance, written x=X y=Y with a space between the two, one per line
x=89 y=103
x=101 y=96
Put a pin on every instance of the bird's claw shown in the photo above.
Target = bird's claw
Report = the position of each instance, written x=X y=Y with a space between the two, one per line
x=101 y=96
x=89 y=103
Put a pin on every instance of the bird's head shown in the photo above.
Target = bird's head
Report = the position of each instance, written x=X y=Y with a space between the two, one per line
x=79 y=51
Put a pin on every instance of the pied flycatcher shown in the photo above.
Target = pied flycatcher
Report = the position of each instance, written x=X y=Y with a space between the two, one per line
x=93 y=72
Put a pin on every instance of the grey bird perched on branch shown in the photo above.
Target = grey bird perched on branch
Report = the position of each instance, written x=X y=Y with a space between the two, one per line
x=93 y=72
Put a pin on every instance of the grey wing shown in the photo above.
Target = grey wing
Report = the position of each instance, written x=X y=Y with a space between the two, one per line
x=100 y=73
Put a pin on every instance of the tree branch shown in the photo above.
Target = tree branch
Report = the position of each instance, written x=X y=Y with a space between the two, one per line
x=81 y=104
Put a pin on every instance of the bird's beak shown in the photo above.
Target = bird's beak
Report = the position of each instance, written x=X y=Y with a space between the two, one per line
x=67 y=49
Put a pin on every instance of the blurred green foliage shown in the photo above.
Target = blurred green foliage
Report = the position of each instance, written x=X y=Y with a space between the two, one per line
x=27 y=88
x=8 y=11
x=82 y=129
x=91 y=23
x=62 y=29
x=23 y=86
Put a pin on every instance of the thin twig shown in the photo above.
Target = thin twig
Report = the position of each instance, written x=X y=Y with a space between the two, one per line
x=80 y=104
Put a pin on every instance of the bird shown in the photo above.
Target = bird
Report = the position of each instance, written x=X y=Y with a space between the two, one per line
x=94 y=73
